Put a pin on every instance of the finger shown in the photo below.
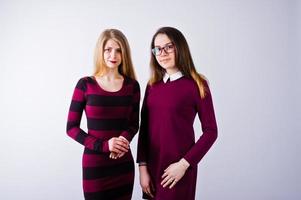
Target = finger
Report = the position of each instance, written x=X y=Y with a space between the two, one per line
x=168 y=183
x=152 y=190
x=148 y=190
x=122 y=149
x=149 y=193
x=152 y=187
x=164 y=175
x=112 y=154
x=117 y=151
x=145 y=190
x=121 y=144
x=119 y=148
x=120 y=155
x=167 y=168
x=122 y=141
x=165 y=179
x=173 y=184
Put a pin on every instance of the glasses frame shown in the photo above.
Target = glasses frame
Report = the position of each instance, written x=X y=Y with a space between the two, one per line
x=167 y=48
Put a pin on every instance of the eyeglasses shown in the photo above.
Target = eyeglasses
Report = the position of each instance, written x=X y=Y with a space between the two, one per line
x=168 y=48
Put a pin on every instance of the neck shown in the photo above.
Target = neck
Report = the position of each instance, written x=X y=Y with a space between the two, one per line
x=172 y=71
x=111 y=74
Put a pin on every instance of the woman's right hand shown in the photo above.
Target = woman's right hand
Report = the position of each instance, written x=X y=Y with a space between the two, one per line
x=118 y=145
x=146 y=182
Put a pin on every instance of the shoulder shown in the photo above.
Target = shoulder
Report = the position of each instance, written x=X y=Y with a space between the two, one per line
x=188 y=83
x=203 y=79
x=82 y=82
x=130 y=80
x=132 y=83
x=194 y=87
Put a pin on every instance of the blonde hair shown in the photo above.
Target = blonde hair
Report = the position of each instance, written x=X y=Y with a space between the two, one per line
x=183 y=59
x=126 y=67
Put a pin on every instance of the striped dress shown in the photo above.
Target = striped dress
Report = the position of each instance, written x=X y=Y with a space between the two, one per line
x=109 y=114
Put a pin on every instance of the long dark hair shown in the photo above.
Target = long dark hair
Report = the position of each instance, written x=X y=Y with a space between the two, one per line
x=183 y=59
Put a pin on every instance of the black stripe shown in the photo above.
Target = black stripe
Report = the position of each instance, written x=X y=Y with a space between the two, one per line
x=99 y=100
x=71 y=124
x=81 y=136
x=107 y=124
x=111 y=194
x=77 y=106
x=97 y=145
x=90 y=173
x=89 y=151
x=136 y=107
x=136 y=87
x=81 y=84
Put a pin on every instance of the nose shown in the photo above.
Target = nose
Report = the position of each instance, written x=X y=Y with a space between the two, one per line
x=113 y=53
x=163 y=52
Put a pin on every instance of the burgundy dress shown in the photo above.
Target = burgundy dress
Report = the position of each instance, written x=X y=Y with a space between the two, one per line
x=109 y=114
x=167 y=135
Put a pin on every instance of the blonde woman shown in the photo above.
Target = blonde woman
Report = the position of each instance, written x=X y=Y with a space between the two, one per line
x=110 y=99
x=167 y=152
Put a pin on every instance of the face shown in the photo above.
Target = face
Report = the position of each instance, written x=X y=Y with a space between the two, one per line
x=164 y=52
x=112 y=54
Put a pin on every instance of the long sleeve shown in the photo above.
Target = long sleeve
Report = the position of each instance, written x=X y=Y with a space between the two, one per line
x=206 y=115
x=134 y=115
x=77 y=106
x=142 y=139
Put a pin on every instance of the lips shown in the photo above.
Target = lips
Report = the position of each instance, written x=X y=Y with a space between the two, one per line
x=112 y=61
x=164 y=60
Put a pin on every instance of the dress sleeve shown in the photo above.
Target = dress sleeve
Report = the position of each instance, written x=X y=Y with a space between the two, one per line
x=206 y=115
x=134 y=115
x=142 y=138
x=77 y=106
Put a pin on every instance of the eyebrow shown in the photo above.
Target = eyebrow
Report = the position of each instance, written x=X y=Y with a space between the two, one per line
x=164 y=44
x=112 y=48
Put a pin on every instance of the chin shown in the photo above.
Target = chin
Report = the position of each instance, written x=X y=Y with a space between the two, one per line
x=112 y=66
x=167 y=67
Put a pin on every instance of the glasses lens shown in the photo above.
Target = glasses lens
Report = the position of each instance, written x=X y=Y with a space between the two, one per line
x=156 y=51
x=168 y=48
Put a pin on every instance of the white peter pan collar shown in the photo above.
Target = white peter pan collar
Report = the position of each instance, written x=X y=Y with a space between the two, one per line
x=172 y=77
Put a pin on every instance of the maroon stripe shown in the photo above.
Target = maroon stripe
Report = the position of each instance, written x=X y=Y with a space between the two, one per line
x=107 y=112
x=94 y=160
x=107 y=182
x=104 y=134
x=74 y=116
x=73 y=132
x=89 y=142
x=78 y=95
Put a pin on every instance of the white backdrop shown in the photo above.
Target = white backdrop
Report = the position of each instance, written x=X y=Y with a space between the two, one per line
x=247 y=49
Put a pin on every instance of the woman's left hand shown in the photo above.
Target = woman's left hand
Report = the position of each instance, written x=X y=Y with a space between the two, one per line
x=114 y=155
x=174 y=173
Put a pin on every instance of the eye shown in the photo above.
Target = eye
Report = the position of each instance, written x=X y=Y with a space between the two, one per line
x=108 y=50
x=118 y=50
x=170 y=46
